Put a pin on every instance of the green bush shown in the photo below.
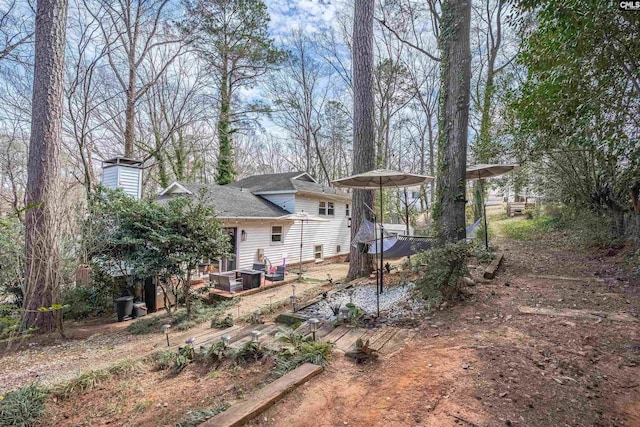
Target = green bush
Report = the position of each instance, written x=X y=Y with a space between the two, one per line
x=440 y=270
x=22 y=407
x=304 y=351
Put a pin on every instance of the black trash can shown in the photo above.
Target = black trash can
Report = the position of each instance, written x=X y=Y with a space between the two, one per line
x=124 y=307
x=139 y=309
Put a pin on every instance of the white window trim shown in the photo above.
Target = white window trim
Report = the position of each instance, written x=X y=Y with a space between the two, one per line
x=316 y=252
x=281 y=242
x=322 y=205
x=333 y=209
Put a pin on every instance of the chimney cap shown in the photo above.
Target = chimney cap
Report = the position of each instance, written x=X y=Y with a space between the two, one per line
x=123 y=161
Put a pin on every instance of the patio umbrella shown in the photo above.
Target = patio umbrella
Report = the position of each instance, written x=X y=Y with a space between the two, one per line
x=481 y=172
x=302 y=217
x=377 y=180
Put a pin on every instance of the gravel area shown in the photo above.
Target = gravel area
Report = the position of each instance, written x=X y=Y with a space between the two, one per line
x=393 y=301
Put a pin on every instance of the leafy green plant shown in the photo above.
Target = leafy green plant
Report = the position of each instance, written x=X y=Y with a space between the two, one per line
x=184 y=356
x=440 y=271
x=195 y=418
x=289 y=358
x=165 y=359
x=216 y=352
x=355 y=314
x=250 y=352
x=22 y=407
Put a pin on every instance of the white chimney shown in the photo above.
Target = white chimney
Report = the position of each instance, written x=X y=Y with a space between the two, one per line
x=124 y=173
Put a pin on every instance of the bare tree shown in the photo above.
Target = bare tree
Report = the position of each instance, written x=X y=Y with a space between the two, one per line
x=15 y=29
x=363 y=127
x=453 y=119
x=132 y=30
x=299 y=94
x=42 y=257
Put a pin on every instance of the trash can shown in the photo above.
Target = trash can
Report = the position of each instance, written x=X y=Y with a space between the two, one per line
x=139 y=309
x=124 y=307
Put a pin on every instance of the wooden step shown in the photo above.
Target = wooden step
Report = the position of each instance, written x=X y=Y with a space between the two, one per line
x=349 y=339
x=214 y=335
x=380 y=338
x=397 y=341
x=257 y=403
x=335 y=335
x=265 y=330
x=244 y=335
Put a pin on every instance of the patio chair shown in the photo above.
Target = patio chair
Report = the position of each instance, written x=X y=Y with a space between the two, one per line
x=278 y=276
x=259 y=267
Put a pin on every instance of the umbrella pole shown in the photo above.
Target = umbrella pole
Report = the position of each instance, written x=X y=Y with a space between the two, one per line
x=484 y=213
x=381 y=242
x=375 y=220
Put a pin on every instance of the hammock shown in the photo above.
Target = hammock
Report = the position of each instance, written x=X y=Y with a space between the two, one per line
x=401 y=246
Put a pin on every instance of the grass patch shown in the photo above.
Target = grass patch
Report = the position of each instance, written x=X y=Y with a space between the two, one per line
x=194 y=418
x=200 y=313
x=22 y=407
x=531 y=229
x=89 y=380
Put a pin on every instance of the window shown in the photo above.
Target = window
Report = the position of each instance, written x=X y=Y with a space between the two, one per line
x=347 y=211
x=415 y=195
x=317 y=251
x=326 y=208
x=276 y=234
x=322 y=208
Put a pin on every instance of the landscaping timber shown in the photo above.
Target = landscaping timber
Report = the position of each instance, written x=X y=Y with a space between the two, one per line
x=253 y=406
x=490 y=271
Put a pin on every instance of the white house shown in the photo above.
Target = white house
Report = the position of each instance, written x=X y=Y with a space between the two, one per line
x=254 y=211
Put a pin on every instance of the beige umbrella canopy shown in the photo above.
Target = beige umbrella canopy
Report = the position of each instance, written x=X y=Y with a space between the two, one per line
x=377 y=180
x=302 y=217
x=484 y=171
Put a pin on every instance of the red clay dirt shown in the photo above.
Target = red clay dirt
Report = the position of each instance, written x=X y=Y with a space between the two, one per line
x=488 y=365
x=478 y=362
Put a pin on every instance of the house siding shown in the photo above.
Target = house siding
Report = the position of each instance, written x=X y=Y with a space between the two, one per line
x=329 y=234
x=126 y=178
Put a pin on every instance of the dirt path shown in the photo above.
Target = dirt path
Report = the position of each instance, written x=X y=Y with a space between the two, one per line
x=96 y=345
x=486 y=364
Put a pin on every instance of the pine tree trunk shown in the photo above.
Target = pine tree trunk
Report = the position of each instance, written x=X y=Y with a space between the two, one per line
x=363 y=127
x=42 y=257
x=454 y=117
x=226 y=173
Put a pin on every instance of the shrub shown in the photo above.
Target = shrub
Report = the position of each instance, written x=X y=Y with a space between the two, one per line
x=440 y=270
x=305 y=351
x=250 y=352
x=22 y=407
x=165 y=359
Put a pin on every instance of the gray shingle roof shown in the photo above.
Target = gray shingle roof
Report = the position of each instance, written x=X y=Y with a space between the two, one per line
x=284 y=182
x=234 y=202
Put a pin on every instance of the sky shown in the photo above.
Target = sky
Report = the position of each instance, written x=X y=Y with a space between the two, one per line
x=311 y=16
